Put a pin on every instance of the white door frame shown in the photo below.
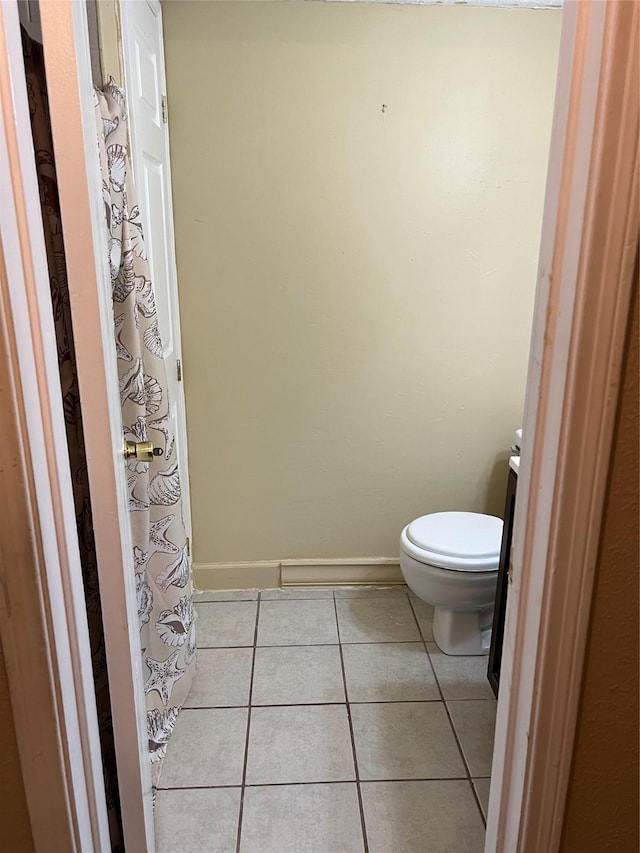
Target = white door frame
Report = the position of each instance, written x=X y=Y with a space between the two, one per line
x=71 y=105
x=588 y=251
x=588 y=247
x=43 y=621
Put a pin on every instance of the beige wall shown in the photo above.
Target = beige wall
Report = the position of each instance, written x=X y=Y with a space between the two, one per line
x=356 y=280
x=602 y=807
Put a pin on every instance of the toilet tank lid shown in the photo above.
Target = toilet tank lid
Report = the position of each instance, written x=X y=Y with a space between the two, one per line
x=457 y=534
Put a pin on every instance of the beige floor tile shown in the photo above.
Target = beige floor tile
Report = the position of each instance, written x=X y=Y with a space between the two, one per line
x=376 y=620
x=302 y=623
x=482 y=787
x=297 y=675
x=424 y=615
x=461 y=676
x=205 y=821
x=397 y=591
x=225 y=595
x=206 y=748
x=294 y=594
x=226 y=623
x=383 y=672
x=301 y=819
x=223 y=678
x=422 y=817
x=303 y=743
x=407 y=740
x=475 y=723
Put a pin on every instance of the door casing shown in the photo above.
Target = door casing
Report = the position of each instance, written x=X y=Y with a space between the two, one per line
x=586 y=267
x=43 y=620
x=71 y=106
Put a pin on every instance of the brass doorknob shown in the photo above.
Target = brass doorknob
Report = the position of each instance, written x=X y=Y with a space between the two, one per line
x=143 y=451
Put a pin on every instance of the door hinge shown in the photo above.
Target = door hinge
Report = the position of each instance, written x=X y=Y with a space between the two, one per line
x=188 y=546
x=179 y=369
x=165 y=111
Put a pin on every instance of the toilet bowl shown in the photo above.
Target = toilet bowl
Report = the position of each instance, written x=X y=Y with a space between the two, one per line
x=450 y=560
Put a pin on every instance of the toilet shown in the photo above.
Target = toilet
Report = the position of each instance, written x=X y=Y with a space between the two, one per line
x=450 y=560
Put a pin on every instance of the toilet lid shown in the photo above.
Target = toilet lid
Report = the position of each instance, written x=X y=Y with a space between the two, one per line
x=465 y=535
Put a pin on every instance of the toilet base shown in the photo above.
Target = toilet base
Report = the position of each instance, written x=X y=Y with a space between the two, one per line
x=463 y=633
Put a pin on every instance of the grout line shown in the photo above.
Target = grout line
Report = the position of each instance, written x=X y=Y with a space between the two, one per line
x=453 y=728
x=345 y=643
x=234 y=601
x=246 y=746
x=237 y=786
x=319 y=782
x=415 y=616
x=353 y=740
x=369 y=595
x=471 y=777
x=476 y=795
x=324 y=704
x=251 y=645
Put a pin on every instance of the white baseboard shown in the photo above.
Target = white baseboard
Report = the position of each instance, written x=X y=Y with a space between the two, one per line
x=352 y=571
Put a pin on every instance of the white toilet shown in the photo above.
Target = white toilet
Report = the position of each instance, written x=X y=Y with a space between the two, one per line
x=450 y=560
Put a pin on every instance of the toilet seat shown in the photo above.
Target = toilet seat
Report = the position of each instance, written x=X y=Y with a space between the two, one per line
x=458 y=541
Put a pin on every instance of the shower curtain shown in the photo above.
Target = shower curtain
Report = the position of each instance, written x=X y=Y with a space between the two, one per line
x=163 y=582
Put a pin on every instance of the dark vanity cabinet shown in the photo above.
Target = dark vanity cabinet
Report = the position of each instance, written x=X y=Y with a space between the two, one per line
x=497 y=632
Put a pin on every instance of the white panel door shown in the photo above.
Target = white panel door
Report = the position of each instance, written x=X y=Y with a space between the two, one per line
x=145 y=86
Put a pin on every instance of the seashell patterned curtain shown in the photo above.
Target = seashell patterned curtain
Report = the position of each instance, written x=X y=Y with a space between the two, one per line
x=163 y=583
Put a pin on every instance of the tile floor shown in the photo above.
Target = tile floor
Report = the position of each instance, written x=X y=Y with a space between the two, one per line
x=327 y=721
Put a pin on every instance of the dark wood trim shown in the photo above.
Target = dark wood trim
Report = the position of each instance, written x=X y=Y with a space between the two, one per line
x=500 y=609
